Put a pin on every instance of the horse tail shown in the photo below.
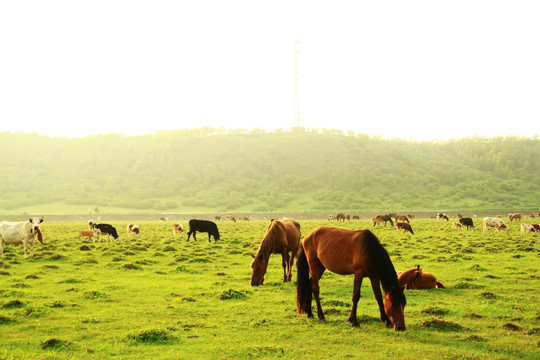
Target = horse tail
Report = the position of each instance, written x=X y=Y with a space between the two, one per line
x=304 y=287
x=439 y=284
x=410 y=228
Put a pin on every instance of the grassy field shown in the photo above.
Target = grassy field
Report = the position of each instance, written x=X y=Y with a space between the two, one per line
x=161 y=297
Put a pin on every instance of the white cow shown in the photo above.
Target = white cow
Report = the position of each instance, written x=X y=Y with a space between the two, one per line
x=525 y=228
x=496 y=223
x=22 y=232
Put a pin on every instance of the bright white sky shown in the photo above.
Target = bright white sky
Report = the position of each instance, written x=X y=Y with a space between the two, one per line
x=408 y=69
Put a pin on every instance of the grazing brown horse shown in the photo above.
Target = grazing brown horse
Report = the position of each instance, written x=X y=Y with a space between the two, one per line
x=349 y=252
x=516 y=216
x=401 y=217
x=417 y=279
x=281 y=237
x=382 y=218
x=404 y=226
x=342 y=217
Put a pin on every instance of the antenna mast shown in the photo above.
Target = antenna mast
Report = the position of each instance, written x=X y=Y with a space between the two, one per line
x=296 y=94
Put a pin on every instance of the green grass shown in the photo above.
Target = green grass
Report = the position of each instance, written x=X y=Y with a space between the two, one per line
x=160 y=297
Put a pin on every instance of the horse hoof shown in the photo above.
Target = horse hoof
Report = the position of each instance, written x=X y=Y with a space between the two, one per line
x=322 y=320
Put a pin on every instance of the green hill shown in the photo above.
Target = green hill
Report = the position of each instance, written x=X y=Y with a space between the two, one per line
x=205 y=171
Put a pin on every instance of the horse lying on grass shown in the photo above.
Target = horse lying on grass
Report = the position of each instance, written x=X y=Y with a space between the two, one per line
x=417 y=279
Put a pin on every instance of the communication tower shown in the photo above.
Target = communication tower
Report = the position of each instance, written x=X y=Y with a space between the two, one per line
x=296 y=122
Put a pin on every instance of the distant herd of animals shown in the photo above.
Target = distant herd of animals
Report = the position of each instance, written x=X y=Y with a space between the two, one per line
x=341 y=251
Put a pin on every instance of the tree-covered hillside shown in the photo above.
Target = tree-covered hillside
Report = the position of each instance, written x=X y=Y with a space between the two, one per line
x=198 y=170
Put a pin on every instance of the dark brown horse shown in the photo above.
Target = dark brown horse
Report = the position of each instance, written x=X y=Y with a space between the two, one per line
x=281 y=237
x=382 y=218
x=349 y=252
x=418 y=279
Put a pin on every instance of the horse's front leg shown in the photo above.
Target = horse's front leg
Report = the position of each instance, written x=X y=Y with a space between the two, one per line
x=376 y=286
x=285 y=265
x=356 y=296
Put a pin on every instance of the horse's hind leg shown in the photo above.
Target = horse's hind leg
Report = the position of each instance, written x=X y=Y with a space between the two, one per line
x=356 y=296
x=291 y=263
x=285 y=264
x=317 y=271
x=376 y=286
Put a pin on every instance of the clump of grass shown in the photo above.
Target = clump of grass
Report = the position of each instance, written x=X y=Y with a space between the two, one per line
x=231 y=294
x=489 y=295
x=130 y=266
x=5 y=319
x=94 y=295
x=184 y=269
x=13 y=304
x=153 y=336
x=32 y=276
x=442 y=325
x=434 y=311
x=54 y=344
x=467 y=285
x=475 y=338
x=477 y=267
x=70 y=281
x=84 y=247
x=512 y=327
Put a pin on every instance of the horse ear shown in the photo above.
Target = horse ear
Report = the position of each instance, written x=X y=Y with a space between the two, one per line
x=403 y=287
x=253 y=256
x=41 y=220
x=30 y=219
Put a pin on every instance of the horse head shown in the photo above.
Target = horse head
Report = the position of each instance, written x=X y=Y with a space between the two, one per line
x=394 y=307
x=258 y=267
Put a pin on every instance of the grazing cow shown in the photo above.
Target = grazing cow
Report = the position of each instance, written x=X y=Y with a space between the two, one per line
x=133 y=229
x=417 y=279
x=442 y=216
x=382 y=218
x=467 y=222
x=456 y=225
x=405 y=226
x=516 y=216
x=525 y=228
x=85 y=233
x=529 y=215
x=496 y=223
x=22 y=232
x=206 y=226
x=105 y=229
x=177 y=229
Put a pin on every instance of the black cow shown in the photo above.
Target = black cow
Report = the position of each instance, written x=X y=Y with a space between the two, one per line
x=106 y=229
x=442 y=216
x=206 y=226
x=467 y=222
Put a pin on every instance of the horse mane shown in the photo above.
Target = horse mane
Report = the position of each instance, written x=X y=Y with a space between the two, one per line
x=269 y=241
x=383 y=267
